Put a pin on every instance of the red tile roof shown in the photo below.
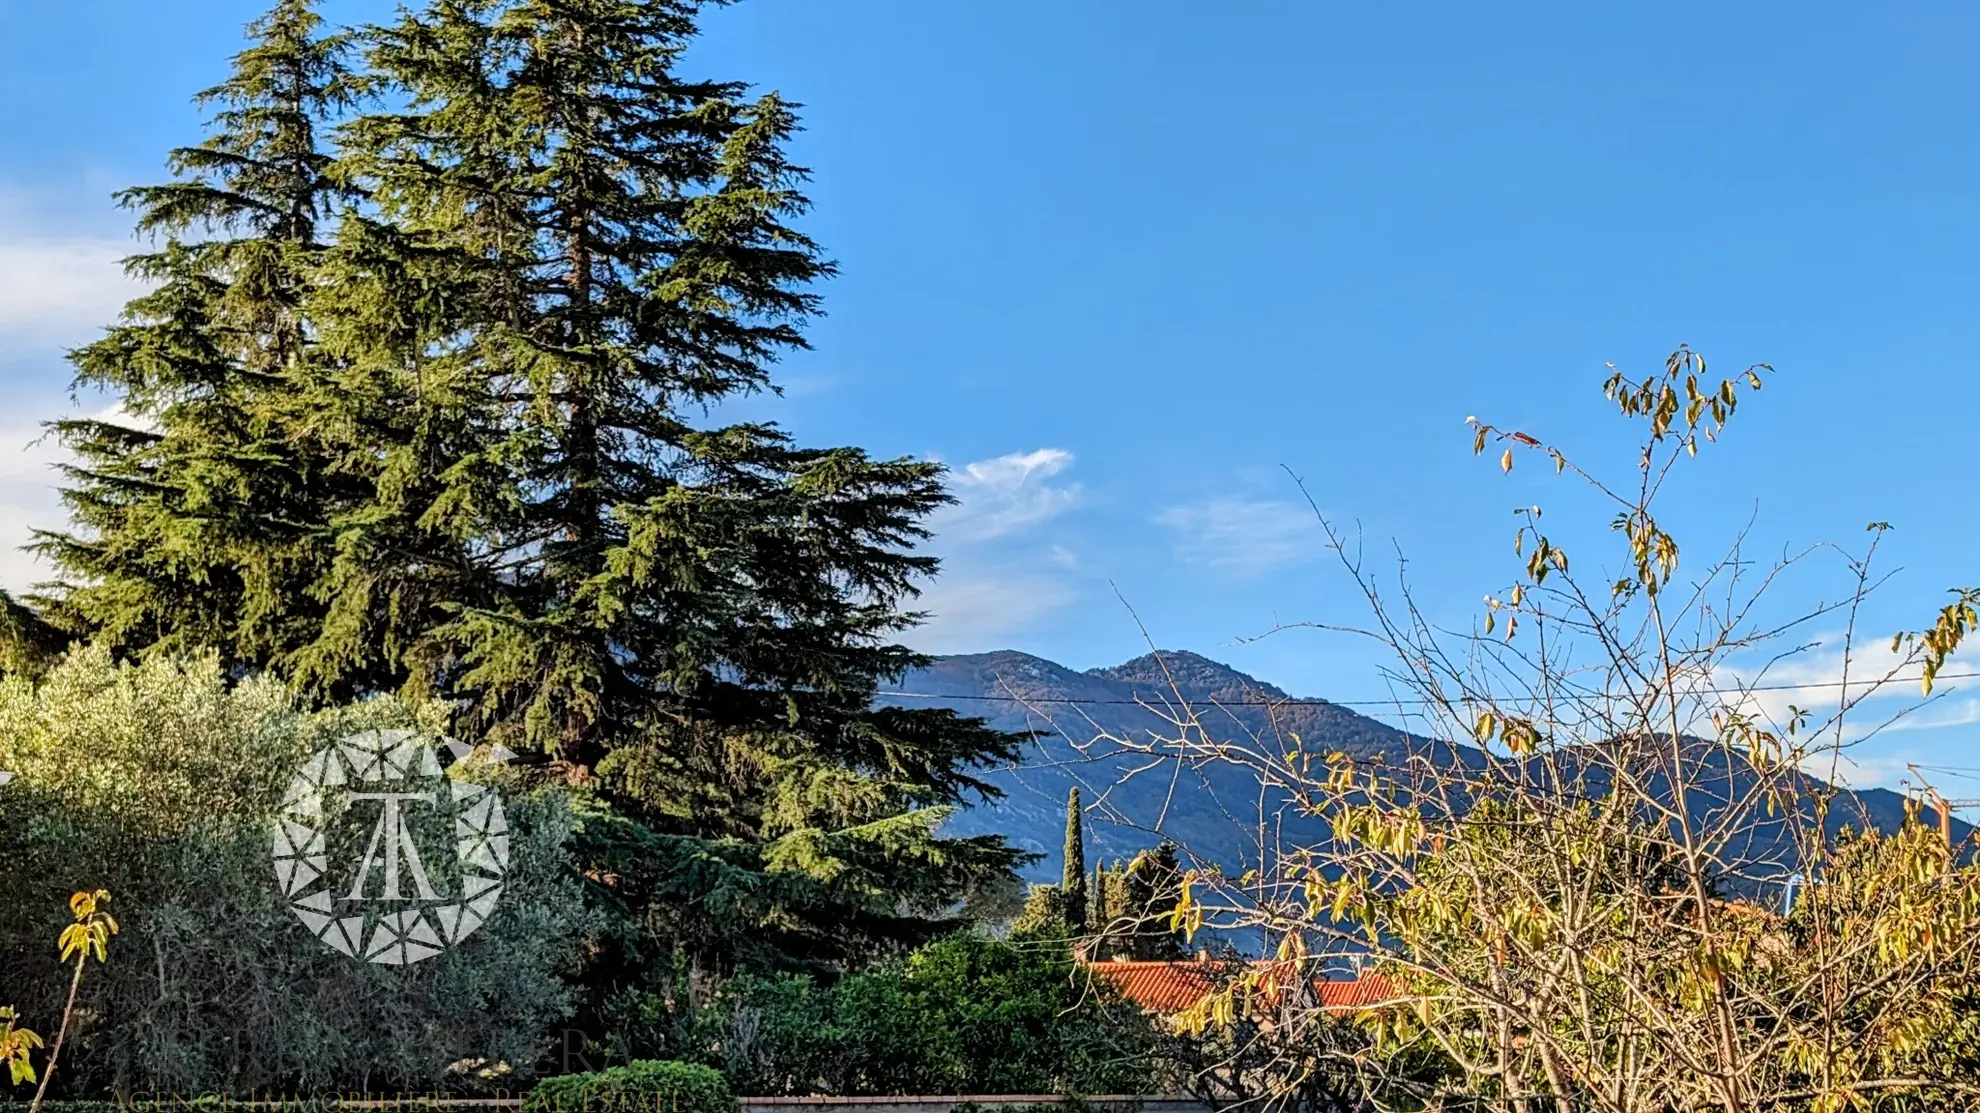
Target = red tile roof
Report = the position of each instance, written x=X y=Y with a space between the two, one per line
x=1160 y=987
x=1364 y=992
x=1170 y=987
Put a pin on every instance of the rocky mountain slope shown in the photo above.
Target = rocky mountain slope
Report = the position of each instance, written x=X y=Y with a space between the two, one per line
x=1091 y=725
x=1087 y=727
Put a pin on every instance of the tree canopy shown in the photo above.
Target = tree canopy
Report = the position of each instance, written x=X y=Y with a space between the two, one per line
x=425 y=400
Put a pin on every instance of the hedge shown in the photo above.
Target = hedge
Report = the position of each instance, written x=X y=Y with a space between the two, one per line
x=642 y=1086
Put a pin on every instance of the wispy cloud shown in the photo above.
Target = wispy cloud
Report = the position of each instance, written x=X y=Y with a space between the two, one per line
x=995 y=580
x=57 y=293
x=1884 y=697
x=27 y=499
x=968 y=612
x=1007 y=494
x=1243 y=537
x=1813 y=680
x=1940 y=713
x=1892 y=770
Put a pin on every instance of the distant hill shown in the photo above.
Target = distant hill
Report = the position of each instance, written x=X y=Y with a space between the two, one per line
x=1214 y=811
x=1211 y=810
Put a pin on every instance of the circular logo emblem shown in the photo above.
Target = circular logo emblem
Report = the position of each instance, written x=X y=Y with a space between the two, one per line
x=382 y=855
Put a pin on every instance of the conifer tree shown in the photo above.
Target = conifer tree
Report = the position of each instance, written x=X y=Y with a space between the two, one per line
x=1153 y=888
x=432 y=415
x=200 y=509
x=1072 y=878
x=29 y=644
x=572 y=252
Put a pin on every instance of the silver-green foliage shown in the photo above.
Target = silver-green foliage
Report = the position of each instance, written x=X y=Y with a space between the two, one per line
x=158 y=781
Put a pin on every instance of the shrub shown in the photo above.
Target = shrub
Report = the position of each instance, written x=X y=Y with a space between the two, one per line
x=963 y=1015
x=642 y=1086
x=158 y=782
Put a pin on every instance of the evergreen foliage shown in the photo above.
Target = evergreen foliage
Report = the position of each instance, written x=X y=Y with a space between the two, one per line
x=659 y=1085
x=1141 y=895
x=963 y=1015
x=29 y=643
x=694 y=619
x=1073 y=875
x=200 y=511
x=1044 y=913
x=426 y=409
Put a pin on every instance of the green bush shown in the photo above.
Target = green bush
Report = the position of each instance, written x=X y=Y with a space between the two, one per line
x=159 y=781
x=964 y=1015
x=642 y=1086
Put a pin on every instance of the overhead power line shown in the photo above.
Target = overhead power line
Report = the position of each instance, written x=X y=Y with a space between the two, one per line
x=1293 y=701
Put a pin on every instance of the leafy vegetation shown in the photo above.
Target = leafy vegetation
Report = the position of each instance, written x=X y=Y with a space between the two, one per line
x=419 y=426
x=88 y=936
x=1586 y=916
x=17 y=1047
x=158 y=781
x=644 y=1086
x=1124 y=912
x=965 y=1015
x=419 y=406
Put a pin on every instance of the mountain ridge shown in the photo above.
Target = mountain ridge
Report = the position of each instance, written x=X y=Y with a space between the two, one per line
x=1131 y=704
x=1210 y=809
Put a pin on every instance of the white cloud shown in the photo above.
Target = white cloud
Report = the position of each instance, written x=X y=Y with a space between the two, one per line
x=1931 y=716
x=27 y=499
x=59 y=293
x=1244 y=537
x=993 y=583
x=1812 y=680
x=1892 y=771
x=1007 y=494
x=970 y=613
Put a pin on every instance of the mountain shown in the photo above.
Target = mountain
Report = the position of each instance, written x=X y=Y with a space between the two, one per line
x=1087 y=727
x=1094 y=729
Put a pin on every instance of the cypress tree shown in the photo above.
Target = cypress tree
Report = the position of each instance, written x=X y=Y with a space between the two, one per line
x=1072 y=878
x=200 y=509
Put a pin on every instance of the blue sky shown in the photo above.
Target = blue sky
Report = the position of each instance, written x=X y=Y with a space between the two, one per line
x=1123 y=264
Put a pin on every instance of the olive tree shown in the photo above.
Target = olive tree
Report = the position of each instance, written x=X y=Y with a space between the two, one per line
x=160 y=781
